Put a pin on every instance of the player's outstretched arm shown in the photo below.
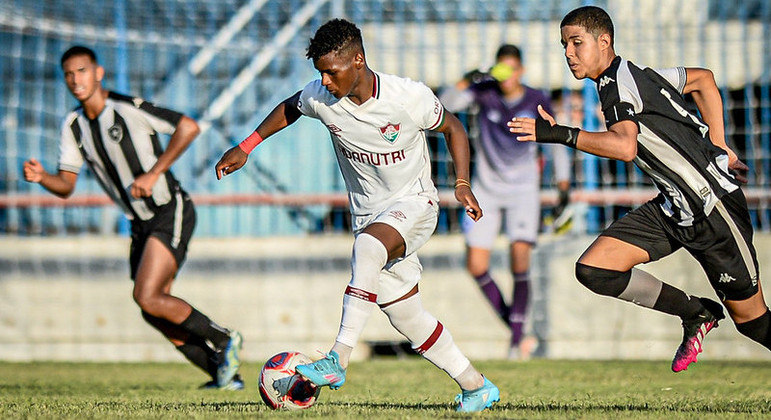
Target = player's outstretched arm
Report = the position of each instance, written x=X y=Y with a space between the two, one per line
x=700 y=83
x=61 y=184
x=619 y=142
x=184 y=134
x=283 y=115
x=457 y=143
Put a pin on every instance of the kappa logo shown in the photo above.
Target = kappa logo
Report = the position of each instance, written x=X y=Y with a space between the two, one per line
x=755 y=281
x=115 y=133
x=138 y=102
x=390 y=132
x=726 y=278
x=604 y=81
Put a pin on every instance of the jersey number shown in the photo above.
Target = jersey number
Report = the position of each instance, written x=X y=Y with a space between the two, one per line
x=680 y=110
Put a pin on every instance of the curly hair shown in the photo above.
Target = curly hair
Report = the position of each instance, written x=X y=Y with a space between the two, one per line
x=337 y=35
x=595 y=20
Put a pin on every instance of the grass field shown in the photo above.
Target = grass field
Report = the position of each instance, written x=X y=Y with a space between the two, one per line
x=387 y=388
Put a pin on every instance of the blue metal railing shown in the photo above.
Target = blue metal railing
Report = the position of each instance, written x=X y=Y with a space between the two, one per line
x=143 y=44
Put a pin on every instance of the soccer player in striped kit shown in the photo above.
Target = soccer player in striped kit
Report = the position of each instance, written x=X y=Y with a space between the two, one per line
x=117 y=137
x=377 y=124
x=700 y=206
x=506 y=181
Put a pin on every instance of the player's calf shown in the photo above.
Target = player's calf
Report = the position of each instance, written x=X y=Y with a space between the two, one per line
x=759 y=329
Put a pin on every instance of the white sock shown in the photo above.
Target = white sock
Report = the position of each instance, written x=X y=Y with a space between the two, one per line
x=343 y=353
x=428 y=337
x=643 y=289
x=369 y=258
x=470 y=379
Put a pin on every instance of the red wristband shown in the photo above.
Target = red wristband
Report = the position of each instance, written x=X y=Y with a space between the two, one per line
x=250 y=142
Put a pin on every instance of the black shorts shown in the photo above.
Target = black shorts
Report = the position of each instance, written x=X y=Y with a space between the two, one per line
x=173 y=224
x=721 y=243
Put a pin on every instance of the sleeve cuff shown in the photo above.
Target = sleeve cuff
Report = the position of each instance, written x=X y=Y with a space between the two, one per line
x=69 y=168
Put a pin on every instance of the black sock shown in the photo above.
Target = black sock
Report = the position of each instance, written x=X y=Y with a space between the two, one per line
x=200 y=325
x=674 y=301
x=759 y=329
x=201 y=355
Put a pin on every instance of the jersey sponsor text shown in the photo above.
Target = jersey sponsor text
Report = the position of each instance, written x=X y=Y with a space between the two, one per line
x=374 y=159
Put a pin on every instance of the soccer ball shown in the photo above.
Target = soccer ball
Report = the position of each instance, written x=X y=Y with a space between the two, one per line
x=281 y=387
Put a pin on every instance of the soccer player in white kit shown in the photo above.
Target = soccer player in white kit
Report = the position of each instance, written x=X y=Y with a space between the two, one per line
x=377 y=124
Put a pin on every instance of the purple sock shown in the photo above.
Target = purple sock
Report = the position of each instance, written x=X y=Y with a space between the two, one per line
x=493 y=294
x=518 y=309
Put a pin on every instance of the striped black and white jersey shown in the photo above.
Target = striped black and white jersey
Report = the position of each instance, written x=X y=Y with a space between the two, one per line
x=119 y=145
x=673 y=145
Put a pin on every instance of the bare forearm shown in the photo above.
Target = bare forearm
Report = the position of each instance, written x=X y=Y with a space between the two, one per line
x=282 y=116
x=274 y=122
x=710 y=106
x=461 y=156
x=606 y=144
x=700 y=83
x=457 y=143
x=57 y=184
x=186 y=131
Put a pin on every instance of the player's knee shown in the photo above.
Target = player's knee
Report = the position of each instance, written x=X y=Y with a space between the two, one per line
x=152 y=320
x=476 y=268
x=602 y=281
x=759 y=329
x=146 y=299
x=369 y=255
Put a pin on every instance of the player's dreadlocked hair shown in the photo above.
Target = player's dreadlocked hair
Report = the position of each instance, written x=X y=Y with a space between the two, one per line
x=338 y=35
x=78 y=50
x=592 y=18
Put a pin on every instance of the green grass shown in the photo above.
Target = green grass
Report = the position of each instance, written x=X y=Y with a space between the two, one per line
x=385 y=388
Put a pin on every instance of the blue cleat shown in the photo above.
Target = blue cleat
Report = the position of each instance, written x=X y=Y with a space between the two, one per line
x=236 y=384
x=326 y=371
x=478 y=399
x=228 y=367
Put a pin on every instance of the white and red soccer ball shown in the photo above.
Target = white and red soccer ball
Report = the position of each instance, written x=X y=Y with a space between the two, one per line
x=282 y=388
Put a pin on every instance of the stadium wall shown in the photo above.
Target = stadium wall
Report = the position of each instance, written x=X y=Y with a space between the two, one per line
x=70 y=299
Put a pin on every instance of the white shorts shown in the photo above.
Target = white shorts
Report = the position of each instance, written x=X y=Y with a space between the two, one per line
x=415 y=219
x=519 y=212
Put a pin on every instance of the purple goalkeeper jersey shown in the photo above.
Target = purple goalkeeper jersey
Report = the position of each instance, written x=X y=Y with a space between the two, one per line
x=502 y=162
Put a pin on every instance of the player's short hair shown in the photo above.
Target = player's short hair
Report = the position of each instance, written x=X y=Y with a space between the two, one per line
x=337 y=35
x=594 y=19
x=78 y=50
x=508 y=50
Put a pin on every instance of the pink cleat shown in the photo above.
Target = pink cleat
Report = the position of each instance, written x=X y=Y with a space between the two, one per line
x=694 y=331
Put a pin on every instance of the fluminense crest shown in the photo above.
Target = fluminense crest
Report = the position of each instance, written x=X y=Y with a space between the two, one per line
x=390 y=132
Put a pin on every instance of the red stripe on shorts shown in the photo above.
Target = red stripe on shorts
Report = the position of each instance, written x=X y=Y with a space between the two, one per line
x=361 y=294
x=432 y=339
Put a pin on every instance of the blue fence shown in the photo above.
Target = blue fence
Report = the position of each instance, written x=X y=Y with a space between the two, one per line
x=158 y=50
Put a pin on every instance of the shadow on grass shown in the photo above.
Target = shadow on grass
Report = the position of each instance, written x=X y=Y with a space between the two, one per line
x=588 y=405
x=390 y=406
x=577 y=407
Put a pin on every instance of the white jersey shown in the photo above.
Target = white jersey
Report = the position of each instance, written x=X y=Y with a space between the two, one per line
x=381 y=144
